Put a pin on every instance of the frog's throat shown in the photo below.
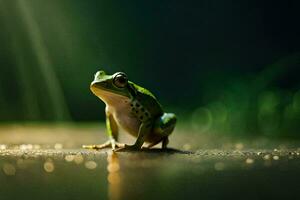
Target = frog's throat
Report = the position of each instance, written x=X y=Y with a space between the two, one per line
x=110 y=98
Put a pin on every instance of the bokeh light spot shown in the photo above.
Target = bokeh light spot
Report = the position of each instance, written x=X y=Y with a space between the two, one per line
x=90 y=164
x=78 y=159
x=9 y=169
x=275 y=157
x=249 y=161
x=58 y=146
x=219 y=166
x=49 y=166
x=69 y=158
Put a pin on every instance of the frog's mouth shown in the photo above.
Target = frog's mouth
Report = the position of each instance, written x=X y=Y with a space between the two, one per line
x=98 y=89
x=107 y=95
x=98 y=86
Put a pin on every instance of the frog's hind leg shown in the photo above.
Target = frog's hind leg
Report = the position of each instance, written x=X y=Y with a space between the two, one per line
x=165 y=143
x=164 y=126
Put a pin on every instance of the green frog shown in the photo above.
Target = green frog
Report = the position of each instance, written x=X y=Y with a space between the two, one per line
x=132 y=108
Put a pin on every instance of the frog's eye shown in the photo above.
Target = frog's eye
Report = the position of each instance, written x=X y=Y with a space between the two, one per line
x=120 y=80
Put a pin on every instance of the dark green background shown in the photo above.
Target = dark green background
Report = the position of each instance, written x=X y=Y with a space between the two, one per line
x=222 y=66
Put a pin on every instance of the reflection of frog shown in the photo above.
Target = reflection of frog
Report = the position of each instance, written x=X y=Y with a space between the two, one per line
x=134 y=109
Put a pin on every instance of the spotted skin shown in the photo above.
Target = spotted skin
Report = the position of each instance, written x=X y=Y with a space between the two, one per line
x=139 y=111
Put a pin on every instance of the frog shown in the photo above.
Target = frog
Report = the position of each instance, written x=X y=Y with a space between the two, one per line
x=133 y=109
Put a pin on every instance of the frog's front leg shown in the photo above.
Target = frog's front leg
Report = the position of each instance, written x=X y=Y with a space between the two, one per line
x=112 y=131
x=144 y=130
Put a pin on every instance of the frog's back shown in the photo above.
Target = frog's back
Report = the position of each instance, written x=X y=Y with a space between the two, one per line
x=147 y=100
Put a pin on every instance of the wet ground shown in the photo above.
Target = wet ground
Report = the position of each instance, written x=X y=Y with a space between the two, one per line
x=46 y=162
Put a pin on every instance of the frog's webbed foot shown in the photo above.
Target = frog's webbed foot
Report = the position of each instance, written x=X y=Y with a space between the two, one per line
x=110 y=143
x=129 y=148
